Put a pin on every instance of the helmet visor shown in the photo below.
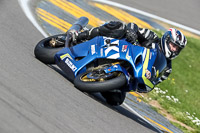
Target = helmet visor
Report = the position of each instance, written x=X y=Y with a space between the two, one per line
x=174 y=48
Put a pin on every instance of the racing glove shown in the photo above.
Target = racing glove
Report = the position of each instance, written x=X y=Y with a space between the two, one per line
x=131 y=35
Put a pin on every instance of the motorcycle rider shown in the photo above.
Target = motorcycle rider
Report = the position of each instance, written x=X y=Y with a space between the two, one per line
x=171 y=43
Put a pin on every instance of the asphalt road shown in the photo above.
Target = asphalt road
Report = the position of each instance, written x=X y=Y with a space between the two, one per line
x=185 y=12
x=34 y=98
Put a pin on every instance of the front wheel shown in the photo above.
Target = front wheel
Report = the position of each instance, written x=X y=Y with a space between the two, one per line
x=99 y=81
x=44 y=52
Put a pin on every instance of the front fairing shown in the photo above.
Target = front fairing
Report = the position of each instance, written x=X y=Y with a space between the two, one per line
x=143 y=62
x=159 y=66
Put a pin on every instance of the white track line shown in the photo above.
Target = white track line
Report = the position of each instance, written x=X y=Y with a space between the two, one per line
x=25 y=6
x=148 y=15
x=133 y=111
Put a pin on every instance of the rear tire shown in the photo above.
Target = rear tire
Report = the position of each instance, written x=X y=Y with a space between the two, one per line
x=99 y=86
x=44 y=52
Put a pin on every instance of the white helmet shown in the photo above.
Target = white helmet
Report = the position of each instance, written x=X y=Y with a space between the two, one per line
x=177 y=38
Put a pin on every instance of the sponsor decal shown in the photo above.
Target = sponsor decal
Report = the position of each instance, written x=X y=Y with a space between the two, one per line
x=93 y=49
x=148 y=74
x=101 y=51
x=70 y=64
x=127 y=55
x=150 y=55
x=124 y=48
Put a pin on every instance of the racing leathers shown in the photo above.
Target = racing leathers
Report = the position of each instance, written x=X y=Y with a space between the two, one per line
x=131 y=32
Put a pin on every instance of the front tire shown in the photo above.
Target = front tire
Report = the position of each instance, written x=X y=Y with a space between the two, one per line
x=90 y=85
x=44 y=52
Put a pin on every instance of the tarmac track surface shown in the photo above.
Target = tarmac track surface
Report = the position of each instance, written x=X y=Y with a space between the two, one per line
x=34 y=98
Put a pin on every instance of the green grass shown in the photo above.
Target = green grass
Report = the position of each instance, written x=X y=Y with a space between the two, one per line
x=183 y=84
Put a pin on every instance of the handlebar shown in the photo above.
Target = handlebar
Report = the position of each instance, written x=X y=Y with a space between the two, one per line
x=77 y=26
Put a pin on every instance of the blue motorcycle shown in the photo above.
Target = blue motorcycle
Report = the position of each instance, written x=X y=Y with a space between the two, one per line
x=106 y=65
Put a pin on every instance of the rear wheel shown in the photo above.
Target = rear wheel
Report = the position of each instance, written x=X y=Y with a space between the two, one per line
x=45 y=52
x=99 y=81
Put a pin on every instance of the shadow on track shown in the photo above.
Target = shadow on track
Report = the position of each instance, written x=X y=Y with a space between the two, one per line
x=123 y=111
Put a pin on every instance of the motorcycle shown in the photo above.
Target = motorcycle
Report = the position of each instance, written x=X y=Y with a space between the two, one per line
x=107 y=65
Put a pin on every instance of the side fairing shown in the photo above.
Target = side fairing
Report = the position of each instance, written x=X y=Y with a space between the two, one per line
x=99 y=47
x=74 y=60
